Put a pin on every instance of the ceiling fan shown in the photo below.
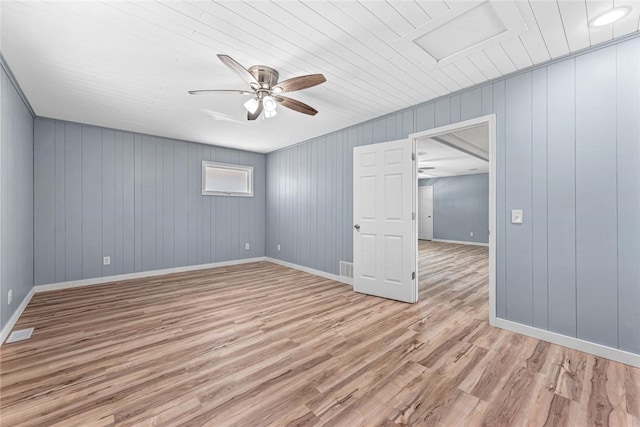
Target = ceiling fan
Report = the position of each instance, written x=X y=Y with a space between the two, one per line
x=265 y=89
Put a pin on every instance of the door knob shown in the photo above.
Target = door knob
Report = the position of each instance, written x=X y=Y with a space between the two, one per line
x=357 y=227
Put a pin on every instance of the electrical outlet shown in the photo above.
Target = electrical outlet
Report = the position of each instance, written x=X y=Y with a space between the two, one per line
x=278 y=247
x=106 y=260
x=246 y=246
x=471 y=233
x=9 y=296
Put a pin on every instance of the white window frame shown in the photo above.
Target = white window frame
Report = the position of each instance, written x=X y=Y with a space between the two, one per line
x=243 y=168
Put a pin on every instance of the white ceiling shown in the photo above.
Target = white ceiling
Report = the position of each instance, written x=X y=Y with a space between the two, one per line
x=128 y=65
x=449 y=161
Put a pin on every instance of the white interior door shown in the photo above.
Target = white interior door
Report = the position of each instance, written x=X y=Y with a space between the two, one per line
x=384 y=202
x=425 y=213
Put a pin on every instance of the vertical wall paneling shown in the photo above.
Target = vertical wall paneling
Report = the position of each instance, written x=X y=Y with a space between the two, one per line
x=425 y=117
x=539 y=195
x=137 y=203
x=73 y=172
x=159 y=202
x=390 y=127
x=129 y=235
x=181 y=207
x=45 y=202
x=566 y=153
x=499 y=98
x=108 y=200
x=91 y=202
x=443 y=112
x=407 y=123
x=628 y=192
x=117 y=259
x=193 y=192
x=596 y=197
x=169 y=204
x=460 y=205
x=379 y=130
x=455 y=109
x=471 y=104
x=561 y=210
x=204 y=232
x=60 y=198
x=339 y=205
x=518 y=250
x=17 y=194
x=487 y=99
x=137 y=199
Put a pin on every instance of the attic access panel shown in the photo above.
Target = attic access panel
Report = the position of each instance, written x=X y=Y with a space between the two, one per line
x=464 y=30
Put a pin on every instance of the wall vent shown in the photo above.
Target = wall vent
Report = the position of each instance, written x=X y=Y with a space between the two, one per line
x=20 y=335
x=346 y=269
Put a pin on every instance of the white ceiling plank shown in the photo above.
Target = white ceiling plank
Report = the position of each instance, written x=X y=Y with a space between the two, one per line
x=574 y=18
x=484 y=64
x=411 y=11
x=281 y=58
x=500 y=59
x=532 y=39
x=457 y=76
x=128 y=65
x=374 y=32
x=470 y=70
x=517 y=53
x=217 y=31
x=629 y=23
x=389 y=16
x=550 y=23
x=434 y=8
x=600 y=34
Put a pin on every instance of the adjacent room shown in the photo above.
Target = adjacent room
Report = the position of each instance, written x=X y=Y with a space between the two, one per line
x=336 y=213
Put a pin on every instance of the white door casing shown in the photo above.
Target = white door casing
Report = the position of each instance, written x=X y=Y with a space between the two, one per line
x=425 y=213
x=384 y=205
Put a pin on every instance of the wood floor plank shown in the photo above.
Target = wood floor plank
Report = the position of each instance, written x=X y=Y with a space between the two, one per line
x=261 y=344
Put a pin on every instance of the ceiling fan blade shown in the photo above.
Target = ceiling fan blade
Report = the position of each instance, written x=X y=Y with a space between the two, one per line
x=299 y=83
x=242 y=72
x=296 y=105
x=256 y=114
x=221 y=91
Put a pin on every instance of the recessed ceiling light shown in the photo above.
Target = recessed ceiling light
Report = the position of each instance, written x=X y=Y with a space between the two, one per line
x=610 y=16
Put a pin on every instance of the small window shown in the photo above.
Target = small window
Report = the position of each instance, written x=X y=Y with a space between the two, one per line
x=221 y=179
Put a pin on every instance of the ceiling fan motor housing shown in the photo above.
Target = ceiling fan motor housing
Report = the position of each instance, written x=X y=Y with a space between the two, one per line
x=266 y=76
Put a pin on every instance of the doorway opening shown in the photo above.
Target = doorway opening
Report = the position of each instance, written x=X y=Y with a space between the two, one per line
x=455 y=194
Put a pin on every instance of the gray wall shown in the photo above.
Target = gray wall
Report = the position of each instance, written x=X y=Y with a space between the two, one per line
x=460 y=205
x=568 y=149
x=136 y=198
x=16 y=199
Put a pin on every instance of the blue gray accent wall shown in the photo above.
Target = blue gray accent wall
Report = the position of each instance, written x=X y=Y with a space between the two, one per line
x=16 y=198
x=136 y=198
x=568 y=149
x=460 y=206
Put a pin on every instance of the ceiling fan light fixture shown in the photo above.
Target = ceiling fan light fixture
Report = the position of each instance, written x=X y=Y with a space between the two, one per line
x=610 y=16
x=269 y=104
x=252 y=105
x=269 y=114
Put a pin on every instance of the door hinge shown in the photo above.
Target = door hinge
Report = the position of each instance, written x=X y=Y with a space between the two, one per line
x=413 y=156
x=413 y=215
x=413 y=276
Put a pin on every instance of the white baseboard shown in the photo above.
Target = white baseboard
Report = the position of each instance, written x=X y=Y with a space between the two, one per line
x=574 y=343
x=4 y=333
x=120 y=277
x=460 y=242
x=330 y=276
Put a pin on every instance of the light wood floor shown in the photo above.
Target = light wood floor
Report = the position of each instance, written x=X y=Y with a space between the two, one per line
x=260 y=344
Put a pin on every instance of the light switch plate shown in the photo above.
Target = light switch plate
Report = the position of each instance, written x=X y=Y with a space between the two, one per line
x=516 y=216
